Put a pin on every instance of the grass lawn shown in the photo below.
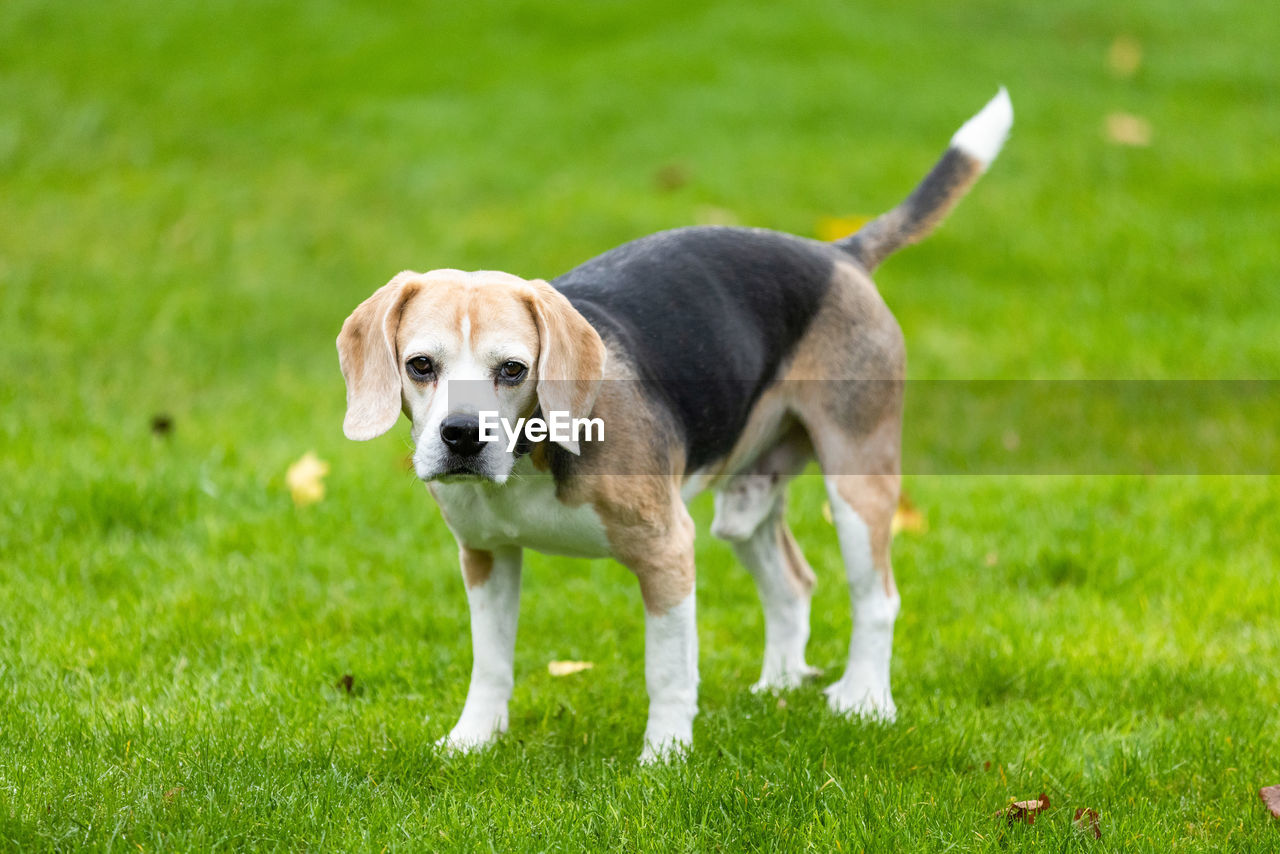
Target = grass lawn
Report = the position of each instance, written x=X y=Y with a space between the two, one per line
x=194 y=196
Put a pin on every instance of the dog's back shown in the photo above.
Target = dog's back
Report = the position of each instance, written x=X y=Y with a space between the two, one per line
x=708 y=314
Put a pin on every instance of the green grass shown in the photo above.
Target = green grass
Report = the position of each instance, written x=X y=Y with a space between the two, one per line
x=193 y=197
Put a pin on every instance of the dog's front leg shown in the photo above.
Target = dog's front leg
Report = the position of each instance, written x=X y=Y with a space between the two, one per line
x=661 y=556
x=493 y=593
x=671 y=677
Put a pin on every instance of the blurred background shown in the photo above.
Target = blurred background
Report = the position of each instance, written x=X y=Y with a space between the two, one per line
x=195 y=196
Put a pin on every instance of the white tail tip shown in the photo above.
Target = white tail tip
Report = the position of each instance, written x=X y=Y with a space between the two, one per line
x=982 y=136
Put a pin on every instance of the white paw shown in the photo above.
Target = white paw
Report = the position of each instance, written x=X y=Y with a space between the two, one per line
x=664 y=749
x=784 y=679
x=468 y=736
x=463 y=742
x=863 y=698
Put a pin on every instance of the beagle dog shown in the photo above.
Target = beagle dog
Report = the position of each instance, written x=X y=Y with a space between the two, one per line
x=713 y=357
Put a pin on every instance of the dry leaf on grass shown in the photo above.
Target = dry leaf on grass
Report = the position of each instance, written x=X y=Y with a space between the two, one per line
x=671 y=177
x=1128 y=129
x=908 y=518
x=305 y=479
x=1026 y=811
x=1086 y=821
x=345 y=682
x=1271 y=797
x=1124 y=57
x=835 y=227
x=564 y=668
x=161 y=424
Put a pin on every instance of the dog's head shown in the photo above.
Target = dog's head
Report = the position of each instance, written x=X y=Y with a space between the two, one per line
x=446 y=346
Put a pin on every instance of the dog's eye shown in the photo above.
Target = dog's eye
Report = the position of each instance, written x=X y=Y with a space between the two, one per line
x=511 y=372
x=420 y=368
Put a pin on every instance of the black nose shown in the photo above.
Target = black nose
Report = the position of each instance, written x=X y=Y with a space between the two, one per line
x=461 y=433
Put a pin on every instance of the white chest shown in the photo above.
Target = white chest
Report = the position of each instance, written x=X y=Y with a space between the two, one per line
x=522 y=512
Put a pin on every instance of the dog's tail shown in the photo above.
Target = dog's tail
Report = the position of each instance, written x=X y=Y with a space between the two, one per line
x=972 y=149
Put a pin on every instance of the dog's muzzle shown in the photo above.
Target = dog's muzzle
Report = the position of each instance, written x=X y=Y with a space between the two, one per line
x=461 y=435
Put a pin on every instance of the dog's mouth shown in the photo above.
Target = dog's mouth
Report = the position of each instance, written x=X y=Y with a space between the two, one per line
x=460 y=477
x=461 y=470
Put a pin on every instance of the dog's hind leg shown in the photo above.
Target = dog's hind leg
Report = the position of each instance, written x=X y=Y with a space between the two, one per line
x=785 y=584
x=751 y=517
x=862 y=507
x=851 y=408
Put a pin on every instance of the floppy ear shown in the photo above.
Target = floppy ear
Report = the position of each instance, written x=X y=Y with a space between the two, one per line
x=369 y=362
x=570 y=357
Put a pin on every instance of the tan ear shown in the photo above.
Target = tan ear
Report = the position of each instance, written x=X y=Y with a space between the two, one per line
x=369 y=362
x=570 y=359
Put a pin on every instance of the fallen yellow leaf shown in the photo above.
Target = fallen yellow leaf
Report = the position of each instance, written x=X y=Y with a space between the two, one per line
x=305 y=479
x=835 y=227
x=1124 y=57
x=908 y=518
x=826 y=513
x=1127 y=129
x=564 y=668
